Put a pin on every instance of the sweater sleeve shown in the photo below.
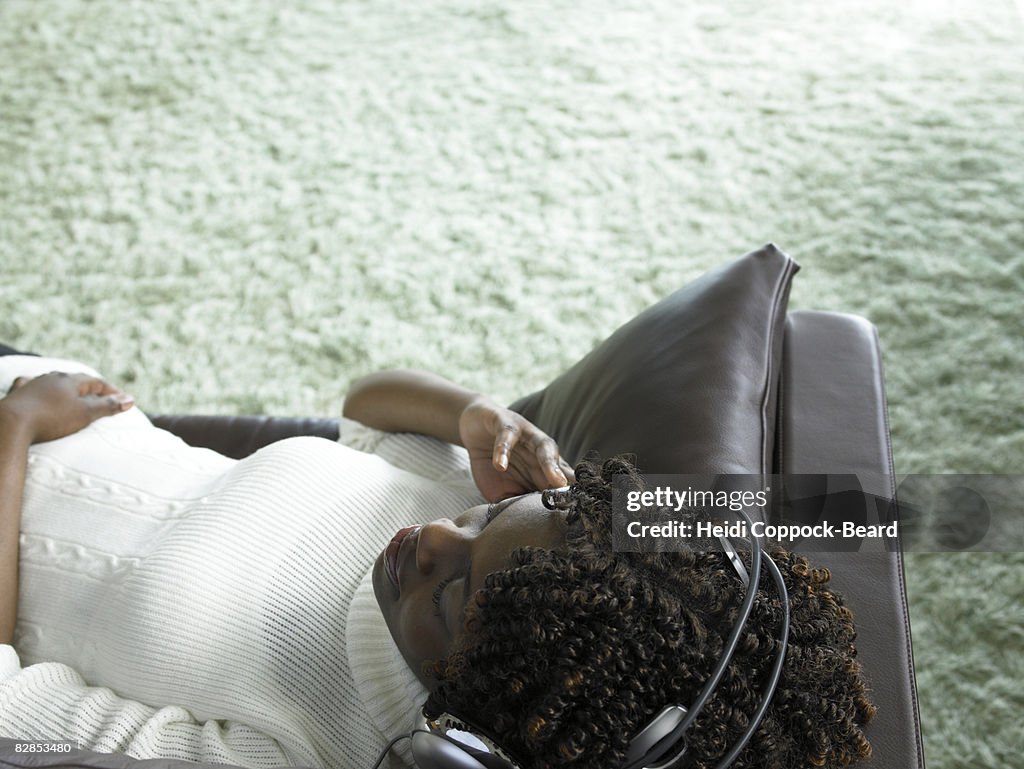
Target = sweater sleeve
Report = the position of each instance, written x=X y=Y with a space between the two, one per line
x=430 y=458
x=50 y=701
x=9 y=662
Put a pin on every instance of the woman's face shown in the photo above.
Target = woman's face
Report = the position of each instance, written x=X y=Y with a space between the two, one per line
x=424 y=578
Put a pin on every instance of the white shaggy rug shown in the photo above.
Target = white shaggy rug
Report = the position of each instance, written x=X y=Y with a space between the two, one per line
x=238 y=206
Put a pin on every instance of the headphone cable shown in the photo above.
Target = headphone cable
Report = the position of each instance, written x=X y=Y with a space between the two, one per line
x=387 y=749
x=776 y=674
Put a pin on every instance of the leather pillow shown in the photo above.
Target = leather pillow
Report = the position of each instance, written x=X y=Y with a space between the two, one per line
x=688 y=386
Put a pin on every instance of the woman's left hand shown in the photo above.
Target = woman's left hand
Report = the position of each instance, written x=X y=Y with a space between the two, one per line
x=508 y=454
x=58 y=404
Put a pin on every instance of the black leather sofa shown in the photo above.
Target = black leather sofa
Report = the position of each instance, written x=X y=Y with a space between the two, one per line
x=716 y=378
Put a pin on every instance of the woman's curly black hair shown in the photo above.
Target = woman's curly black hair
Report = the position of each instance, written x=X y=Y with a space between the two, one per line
x=567 y=654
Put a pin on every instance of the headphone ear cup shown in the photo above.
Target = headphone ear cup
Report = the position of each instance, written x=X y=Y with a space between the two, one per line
x=435 y=751
x=660 y=727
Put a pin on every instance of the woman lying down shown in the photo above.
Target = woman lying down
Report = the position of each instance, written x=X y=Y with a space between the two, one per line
x=167 y=601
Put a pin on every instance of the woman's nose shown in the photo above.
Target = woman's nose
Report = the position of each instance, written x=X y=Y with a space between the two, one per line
x=441 y=543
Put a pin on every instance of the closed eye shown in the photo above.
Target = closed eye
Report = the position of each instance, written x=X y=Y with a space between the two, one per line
x=493 y=510
x=497 y=508
x=438 y=591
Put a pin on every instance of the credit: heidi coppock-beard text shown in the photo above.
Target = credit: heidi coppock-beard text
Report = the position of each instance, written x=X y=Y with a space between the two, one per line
x=821 y=512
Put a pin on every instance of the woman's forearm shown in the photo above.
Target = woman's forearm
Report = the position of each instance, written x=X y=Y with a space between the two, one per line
x=14 y=444
x=406 y=400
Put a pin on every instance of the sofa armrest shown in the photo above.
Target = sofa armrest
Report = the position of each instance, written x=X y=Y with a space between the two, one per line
x=833 y=424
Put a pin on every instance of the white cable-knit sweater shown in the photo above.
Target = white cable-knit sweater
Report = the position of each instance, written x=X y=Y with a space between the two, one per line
x=176 y=603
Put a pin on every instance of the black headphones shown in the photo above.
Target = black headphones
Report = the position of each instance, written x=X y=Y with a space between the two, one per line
x=451 y=742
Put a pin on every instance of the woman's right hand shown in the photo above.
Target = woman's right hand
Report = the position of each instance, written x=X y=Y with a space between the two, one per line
x=58 y=404
x=508 y=454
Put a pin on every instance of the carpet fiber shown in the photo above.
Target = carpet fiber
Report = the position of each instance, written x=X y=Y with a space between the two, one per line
x=239 y=206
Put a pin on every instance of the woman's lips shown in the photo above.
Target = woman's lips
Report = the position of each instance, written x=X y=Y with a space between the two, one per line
x=391 y=554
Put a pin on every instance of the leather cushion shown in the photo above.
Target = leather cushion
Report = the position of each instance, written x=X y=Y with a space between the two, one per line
x=689 y=385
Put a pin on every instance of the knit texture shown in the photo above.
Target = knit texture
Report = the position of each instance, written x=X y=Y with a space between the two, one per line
x=210 y=599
